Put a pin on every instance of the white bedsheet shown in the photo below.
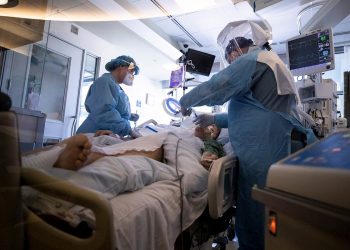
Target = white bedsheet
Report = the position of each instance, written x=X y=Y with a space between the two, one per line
x=148 y=218
x=147 y=143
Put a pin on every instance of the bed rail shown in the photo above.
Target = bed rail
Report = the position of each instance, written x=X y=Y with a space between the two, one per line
x=147 y=122
x=221 y=185
x=41 y=235
x=11 y=229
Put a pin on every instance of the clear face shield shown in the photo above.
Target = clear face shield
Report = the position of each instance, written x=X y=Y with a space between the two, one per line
x=235 y=39
x=132 y=68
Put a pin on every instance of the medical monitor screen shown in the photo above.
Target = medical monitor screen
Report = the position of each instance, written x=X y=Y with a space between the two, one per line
x=199 y=62
x=311 y=53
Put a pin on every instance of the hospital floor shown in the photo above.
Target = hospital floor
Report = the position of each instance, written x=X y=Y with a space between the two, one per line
x=232 y=245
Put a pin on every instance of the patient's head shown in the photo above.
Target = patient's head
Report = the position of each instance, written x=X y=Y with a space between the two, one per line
x=210 y=132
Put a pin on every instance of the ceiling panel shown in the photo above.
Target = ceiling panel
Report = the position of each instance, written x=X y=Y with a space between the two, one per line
x=205 y=39
x=169 y=27
x=205 y=25
x=145 y=8
x=130 y=43
x=85 y=11
x=64 y=4
x=199 y=21
x=343 y=26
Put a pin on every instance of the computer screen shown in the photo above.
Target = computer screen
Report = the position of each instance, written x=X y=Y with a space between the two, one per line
x=199 y=62
x=311 y=53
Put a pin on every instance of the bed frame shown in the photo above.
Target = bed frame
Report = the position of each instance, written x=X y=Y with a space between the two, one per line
x=20 y=228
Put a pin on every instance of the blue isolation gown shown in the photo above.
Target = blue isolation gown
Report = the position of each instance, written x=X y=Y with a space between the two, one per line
x=108 y=107
x=260 y=136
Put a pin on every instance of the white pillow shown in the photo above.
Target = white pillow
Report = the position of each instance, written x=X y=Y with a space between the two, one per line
x=223 y=137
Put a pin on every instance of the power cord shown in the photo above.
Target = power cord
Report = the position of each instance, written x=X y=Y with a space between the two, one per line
x=181 y=191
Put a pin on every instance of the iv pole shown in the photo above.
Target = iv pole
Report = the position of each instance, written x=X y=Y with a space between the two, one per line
x=184 y=79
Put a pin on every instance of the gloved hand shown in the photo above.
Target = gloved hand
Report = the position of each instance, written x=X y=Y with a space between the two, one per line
x=134 y=117
x=204 y=120
x=135 y=134
x=185 y=111
x=104 y=132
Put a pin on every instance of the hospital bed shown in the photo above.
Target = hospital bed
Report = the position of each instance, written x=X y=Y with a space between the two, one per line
x=21 y=227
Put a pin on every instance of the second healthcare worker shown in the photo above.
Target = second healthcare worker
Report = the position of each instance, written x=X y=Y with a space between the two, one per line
x=107 y=103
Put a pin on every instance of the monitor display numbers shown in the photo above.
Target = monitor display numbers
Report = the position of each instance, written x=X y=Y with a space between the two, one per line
x=324 y=48
x=311 y=50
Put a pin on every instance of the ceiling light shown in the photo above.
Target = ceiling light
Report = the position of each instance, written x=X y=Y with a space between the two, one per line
x=195 y=4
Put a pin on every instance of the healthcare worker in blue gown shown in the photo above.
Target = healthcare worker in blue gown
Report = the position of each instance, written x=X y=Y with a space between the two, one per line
x=107 y=103
x=261 y=116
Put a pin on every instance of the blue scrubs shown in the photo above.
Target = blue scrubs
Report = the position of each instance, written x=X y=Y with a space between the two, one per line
x=108 y=107
x=260 y=134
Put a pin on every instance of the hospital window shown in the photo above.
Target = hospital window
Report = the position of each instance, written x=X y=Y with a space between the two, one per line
x=47 y=82
x=90 y=73
x=36 y=78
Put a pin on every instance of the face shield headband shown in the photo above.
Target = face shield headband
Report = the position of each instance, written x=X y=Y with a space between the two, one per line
x=132 y=67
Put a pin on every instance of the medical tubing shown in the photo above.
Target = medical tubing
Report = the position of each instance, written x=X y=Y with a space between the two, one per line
x=181 y=191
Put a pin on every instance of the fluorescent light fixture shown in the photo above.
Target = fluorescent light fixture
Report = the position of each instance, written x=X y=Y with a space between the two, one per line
x=3 y=2
x=192 y=5
x=112 y=8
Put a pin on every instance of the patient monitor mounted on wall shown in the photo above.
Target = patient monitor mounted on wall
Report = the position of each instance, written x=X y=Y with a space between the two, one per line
x=311 y=54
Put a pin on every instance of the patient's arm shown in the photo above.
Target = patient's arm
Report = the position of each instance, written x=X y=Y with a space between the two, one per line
x=212 y=151
x=155 y=155
x=75 y=153
x=105 y=132
x=93 y=156
x=208 y=158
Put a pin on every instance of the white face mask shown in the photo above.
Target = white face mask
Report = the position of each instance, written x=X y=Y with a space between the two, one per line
x=128 y=79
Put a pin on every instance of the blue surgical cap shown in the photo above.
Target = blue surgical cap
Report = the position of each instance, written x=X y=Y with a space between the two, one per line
x=121 y=61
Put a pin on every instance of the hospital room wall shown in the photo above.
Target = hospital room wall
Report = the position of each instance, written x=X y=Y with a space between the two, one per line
x=146 y=97
x=148 y=92
x=342 y=63
x=88 y=41
x=61 y=35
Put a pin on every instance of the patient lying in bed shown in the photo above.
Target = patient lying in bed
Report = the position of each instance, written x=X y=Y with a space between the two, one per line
x=77 y=152
x=142 y=191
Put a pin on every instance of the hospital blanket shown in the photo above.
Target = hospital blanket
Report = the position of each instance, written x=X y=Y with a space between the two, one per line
x=111 y=176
